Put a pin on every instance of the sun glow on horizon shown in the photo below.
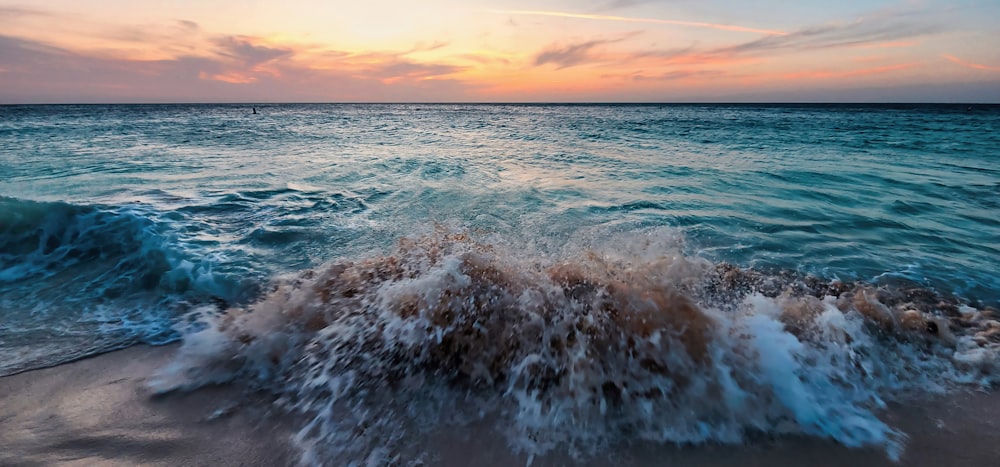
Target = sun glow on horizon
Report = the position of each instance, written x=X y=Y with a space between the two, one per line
x=446 y=50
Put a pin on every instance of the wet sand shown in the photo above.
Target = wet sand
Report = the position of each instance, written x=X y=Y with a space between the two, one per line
x=96 y=412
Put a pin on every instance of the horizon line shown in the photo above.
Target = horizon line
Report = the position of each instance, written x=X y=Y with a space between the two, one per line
x=264 y=103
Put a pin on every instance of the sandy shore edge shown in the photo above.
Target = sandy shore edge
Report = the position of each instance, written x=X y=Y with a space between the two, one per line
x=96 y=411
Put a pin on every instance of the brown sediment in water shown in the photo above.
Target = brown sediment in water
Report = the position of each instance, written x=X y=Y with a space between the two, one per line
x=626 y=296
x=903 y=310
x=598 y=338
x=484 y=321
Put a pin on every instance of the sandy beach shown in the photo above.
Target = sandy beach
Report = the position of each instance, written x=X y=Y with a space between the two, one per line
x=96 y=412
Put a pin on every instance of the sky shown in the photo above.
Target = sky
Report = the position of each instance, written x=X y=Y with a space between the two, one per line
x=71 y=51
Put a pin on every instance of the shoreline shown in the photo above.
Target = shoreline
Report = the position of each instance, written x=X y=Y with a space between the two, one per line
x=95 y=411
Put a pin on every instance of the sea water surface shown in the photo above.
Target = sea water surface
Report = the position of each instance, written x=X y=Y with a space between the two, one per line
x=557 y=263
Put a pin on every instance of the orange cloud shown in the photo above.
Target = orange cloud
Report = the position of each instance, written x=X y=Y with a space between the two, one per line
x=975 y=66
x=696 y=24
x=231 y=78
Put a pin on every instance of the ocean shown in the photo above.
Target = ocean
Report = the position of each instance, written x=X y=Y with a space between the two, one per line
x=575 y=276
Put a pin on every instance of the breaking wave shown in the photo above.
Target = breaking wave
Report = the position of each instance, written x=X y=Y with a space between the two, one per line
x=84 y=279
x=578 y=353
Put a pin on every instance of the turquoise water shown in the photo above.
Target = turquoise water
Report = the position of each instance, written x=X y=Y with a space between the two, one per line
x=116 y=221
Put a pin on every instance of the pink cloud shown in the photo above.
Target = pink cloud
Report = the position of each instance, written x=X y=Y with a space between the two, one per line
x=975 y=66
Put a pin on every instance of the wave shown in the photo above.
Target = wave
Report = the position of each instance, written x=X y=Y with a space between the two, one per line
x=83 y=279
x=632 y=342
x=39 y=239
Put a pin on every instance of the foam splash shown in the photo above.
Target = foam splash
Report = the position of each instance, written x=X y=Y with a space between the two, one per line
x=578 y=354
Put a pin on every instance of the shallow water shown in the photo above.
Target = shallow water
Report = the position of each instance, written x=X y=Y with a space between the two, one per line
x=126 y=224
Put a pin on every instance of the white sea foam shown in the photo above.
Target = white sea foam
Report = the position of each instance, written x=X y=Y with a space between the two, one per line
x=638 y=342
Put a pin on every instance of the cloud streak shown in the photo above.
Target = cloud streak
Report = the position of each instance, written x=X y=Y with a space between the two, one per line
x=623 y=4
x=857 y=34
x=673 y=75
x=679 y=74
x=573 y=54
x=12 y=12
x=626 y=19
x=188 y=25
x=967 y=64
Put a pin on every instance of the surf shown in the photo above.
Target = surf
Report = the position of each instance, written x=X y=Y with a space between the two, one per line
x=574 y=354
x=80 y=279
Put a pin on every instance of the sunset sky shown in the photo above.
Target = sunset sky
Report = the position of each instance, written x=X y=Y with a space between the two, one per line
x=498 y=51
